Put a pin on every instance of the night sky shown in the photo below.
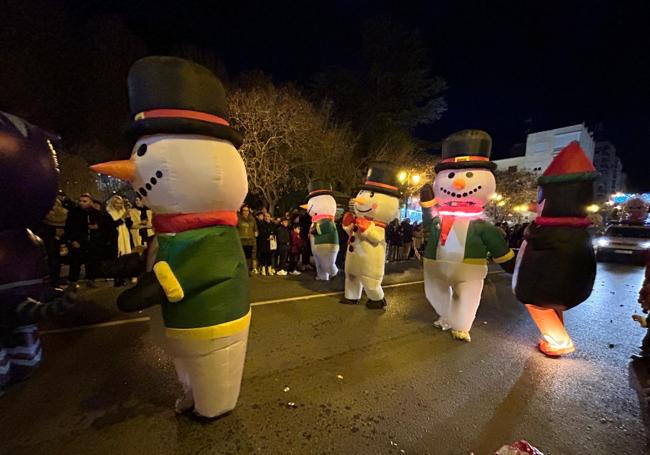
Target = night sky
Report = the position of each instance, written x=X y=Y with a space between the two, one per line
x=512 y=67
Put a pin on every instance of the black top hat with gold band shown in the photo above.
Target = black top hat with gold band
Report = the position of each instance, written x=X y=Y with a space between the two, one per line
x=382 y=178
x=466 y=148
x=319 y=188
x=170 y=95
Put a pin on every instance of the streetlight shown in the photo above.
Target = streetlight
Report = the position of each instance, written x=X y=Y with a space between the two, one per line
x=593 y=208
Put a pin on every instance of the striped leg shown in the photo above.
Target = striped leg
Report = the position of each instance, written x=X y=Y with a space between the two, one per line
x=25 y=353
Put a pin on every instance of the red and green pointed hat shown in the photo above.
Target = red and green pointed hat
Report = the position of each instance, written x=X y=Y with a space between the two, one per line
x=570 y=165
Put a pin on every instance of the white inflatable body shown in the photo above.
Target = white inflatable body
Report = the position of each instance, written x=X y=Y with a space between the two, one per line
x=366 y=256
x=452 y=285
x=197 y=174
x=325 y=253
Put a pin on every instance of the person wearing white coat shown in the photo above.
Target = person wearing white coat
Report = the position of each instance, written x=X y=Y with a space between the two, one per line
x=117 y=211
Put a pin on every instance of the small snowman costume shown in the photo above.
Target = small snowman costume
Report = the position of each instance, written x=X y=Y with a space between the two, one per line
x=376 y=205
x=459 y=240
x=186 y=167
x=323 y=236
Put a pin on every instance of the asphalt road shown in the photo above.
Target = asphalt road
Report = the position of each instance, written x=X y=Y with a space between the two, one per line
x=360 y=381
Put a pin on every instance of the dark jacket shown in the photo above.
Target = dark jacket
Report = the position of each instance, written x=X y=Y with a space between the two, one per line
x=266 y=230
x=284 y=236
x=296 y=243
x=76 y=225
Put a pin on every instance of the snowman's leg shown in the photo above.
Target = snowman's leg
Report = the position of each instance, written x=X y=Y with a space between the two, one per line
x=330 y=258
x=373 y=288
x=353 y=287
x=437 y=292
x=186 y=400
x=212 y=369
x=467 y=297
x=320 y=273
x=555 y=339
x=216 y=377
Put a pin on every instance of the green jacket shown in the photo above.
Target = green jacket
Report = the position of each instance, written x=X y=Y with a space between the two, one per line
x=247 y=228
x=483 y=240
x=326 y=232
x=210 y=267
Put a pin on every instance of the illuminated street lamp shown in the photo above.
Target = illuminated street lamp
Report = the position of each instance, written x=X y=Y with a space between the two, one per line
x=593 y=208
x=402 y=176
x=415 y=179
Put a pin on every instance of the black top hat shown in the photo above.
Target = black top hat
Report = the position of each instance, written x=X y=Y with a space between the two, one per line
x=466 y=148
x=382 y=178
x=170 y=95
x=319 y=188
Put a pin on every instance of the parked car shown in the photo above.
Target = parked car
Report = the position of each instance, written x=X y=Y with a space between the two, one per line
x=630 y=243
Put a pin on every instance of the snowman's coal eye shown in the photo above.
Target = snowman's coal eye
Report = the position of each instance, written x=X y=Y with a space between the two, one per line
x=142 y=150
x=451 y=175
x=372 y=194
x=469 y=175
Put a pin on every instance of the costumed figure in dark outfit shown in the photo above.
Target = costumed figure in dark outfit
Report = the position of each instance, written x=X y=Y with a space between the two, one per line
x=186 y=167
x=556 y=266
x=28 y=172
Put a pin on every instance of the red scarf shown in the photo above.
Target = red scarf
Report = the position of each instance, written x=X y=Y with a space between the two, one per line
x=445 y=228
x=569 y=221
x=179 y=222
x=321 y=217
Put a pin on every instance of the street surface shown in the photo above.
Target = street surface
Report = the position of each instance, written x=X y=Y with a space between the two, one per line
x=326 y=378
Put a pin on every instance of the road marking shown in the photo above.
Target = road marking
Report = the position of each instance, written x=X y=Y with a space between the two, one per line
x=96 y=326
x=258 y=303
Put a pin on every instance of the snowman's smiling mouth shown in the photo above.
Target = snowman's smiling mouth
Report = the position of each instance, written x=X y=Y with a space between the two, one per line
x=149 y=186
x=364 y=211
x=459 y=194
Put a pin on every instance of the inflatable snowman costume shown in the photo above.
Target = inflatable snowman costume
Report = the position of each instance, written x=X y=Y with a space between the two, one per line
x=376 y=205
x=459 y=240
x=323 y=236
x=186 y=167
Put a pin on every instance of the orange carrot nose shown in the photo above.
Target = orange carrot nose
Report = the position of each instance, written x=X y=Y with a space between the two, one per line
x=459 y=184
x=122 y=169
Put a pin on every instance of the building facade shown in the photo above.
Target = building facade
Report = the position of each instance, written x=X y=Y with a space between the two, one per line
x=543 y=146
x=611 y=179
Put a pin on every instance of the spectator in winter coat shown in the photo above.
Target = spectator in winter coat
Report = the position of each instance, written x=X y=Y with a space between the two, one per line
x=284 y=242
x=343 y=242
x=407 y=239
x=116 y=209
x=76 y=233
x=141 y=230
x=267 y=237
x=295 y=248
x=418 y=237
x=395 y=241
x=247 y=228
x=51 y=230
x=305 y=225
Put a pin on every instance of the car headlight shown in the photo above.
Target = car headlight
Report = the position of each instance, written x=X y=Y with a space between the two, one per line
x=602 y=242
x=645 y=245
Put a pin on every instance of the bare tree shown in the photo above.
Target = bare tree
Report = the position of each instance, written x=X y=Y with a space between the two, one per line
x=275 y=123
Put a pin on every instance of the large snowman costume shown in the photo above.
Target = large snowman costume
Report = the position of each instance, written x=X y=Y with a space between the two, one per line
x=323 y=236
x=186 y=167
x=376 y=205
x=459 y=240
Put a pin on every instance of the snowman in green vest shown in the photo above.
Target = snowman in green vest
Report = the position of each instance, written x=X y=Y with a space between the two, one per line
x=376 y=205
x=323 y=236
x=186 y=167
x=459 y=239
